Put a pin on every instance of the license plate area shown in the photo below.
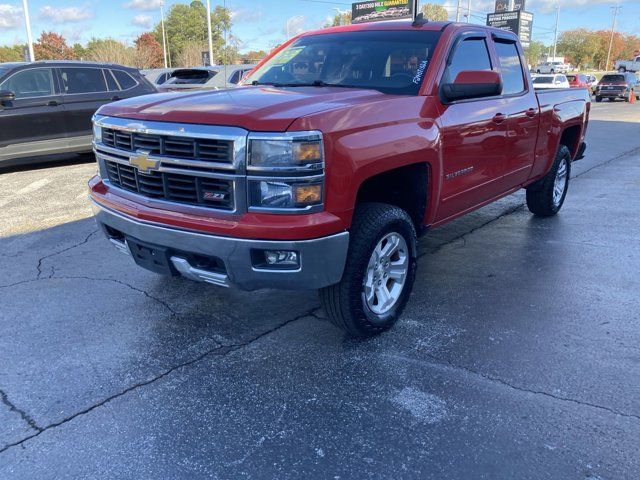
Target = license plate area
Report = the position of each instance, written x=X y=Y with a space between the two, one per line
x=152 y=257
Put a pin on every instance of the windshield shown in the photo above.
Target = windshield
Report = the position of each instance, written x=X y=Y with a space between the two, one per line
x=389 y=61
x=543 y=80
x=613 y=78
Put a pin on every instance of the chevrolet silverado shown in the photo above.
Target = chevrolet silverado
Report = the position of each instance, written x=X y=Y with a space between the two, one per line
x=343 y=146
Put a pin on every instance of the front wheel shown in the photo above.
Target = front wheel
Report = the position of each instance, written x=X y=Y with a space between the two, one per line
x=546 y=196
x=598 y=98
x=379 y=273
x=622 y=70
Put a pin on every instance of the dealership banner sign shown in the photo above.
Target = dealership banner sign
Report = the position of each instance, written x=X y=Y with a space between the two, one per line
x=518 y=22
x=375 y=11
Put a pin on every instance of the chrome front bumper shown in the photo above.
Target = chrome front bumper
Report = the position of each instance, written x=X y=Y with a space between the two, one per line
x=322 y=260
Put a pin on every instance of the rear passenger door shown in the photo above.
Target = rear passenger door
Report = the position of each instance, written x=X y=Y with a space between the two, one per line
x=84 y=90
x=36 y=113
x=520 y=104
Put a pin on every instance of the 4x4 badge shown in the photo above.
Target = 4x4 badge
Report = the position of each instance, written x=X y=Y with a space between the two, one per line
x=143 y=163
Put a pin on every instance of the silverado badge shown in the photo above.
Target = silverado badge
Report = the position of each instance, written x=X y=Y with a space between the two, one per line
x=143 y=163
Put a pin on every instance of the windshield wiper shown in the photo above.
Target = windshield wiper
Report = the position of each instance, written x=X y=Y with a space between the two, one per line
x=315 y=83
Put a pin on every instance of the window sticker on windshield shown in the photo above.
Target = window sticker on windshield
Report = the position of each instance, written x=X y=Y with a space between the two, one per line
x=287 y=55
x=420 y=72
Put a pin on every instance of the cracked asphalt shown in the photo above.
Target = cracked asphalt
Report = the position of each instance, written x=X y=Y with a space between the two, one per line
x=518 y=355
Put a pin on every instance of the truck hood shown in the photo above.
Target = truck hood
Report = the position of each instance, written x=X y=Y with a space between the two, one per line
x=253 y=108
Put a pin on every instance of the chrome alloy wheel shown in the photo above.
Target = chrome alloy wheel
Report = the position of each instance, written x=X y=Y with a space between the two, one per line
x=560 y=183
x=386 y=273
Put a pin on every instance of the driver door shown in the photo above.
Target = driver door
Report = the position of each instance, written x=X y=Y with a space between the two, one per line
x=474 y=135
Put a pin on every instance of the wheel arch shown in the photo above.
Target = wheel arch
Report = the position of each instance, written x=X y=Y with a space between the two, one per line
x=408 y=187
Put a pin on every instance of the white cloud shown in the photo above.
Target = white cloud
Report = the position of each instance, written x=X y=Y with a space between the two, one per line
x=10 y=16
x=295 y=25
x=546 y=6
x=142 y=21
x=64 y=15
x=244 y=14
x=144 y=4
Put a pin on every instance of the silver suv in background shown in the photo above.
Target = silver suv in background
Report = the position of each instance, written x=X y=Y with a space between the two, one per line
x=553 y=67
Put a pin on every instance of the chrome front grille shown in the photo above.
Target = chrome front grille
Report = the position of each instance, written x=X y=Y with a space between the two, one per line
x=197 y=165
x=170 y=146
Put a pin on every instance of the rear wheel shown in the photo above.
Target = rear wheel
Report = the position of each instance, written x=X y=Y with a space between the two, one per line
x=622 y=70
x=379 y=273
x=598 y=98
x=546 y=196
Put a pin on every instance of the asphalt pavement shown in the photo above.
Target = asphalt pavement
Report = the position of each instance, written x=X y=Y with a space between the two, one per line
x=517 y=357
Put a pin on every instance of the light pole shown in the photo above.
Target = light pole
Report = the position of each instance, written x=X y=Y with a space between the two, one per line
x=209 y=32
x=25 y=9
x=458 y=11
x=164 y=35
x=468 y=11
x=555 y=34
x=287 y=24
x=615 y=9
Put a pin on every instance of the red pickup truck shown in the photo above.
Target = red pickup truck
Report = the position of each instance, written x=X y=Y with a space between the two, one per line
x=343 y=146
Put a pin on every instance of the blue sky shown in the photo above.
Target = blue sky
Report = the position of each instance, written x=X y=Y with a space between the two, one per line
x=260 y=24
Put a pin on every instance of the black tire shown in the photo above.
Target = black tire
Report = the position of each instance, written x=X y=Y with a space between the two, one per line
x=552 y=71
x=622 y=70
x=344 y=303
x=598 y=99
x=538 y=71
x=540 y=195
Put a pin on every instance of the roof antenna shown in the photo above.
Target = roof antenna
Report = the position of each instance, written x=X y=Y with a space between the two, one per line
x=419 y=20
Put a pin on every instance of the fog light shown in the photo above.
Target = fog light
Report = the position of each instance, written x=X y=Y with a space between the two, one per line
x=281 y=258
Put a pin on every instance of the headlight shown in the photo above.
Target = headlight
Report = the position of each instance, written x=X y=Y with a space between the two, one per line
x=97 y=133
x=289 y=151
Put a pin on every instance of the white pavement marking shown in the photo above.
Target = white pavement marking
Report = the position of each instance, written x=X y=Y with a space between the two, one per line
x=32 y=187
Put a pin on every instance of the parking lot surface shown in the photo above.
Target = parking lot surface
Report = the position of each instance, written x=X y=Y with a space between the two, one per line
x=517 y=355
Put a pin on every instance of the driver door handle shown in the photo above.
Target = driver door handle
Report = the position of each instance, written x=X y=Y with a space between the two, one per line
x=53 y=103
x=499 y=118
x=115 y=98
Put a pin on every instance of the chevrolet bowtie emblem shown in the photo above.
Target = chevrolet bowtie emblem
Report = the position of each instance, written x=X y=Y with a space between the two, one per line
x=143 y=163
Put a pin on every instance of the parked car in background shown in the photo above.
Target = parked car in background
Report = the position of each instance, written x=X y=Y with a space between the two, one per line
x=46 y=107
x=618 y=86
x=552 y=67
x=578 y=80
x=205 y=78
x=592 y=81
x=623 y=66
x=550 y=81
x=158 y=76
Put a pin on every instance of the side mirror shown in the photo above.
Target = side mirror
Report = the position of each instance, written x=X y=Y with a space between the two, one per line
x=473 y=84
x=7 y=96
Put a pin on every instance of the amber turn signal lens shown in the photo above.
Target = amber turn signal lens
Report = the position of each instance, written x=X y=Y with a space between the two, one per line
x=307 y=194
x=307 y=151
